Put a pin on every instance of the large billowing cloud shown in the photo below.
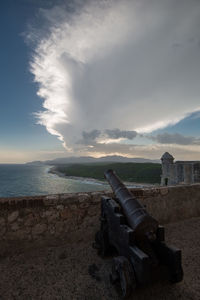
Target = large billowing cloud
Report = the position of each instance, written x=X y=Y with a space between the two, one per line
x=131 y=65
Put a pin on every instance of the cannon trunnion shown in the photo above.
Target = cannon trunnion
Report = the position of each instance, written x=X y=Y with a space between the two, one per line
x=135 y=239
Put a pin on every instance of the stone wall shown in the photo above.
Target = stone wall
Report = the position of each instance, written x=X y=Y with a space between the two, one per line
x=55 y=216
x=179 y=172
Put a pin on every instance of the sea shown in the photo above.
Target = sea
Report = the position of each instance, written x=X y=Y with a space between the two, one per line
x=28 y=180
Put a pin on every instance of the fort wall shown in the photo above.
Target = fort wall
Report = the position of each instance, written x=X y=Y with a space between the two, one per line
x=55 y=216
x=179 y=172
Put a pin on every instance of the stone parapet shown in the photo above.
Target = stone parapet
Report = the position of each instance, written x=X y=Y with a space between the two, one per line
x=55 y=216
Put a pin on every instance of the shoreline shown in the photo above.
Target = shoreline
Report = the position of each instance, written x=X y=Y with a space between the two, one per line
x=129 y=184
x=60 y=174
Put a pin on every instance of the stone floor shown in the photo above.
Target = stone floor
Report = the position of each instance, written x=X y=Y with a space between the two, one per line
x=63 y=270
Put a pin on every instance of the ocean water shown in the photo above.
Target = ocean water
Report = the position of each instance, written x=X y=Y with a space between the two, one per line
x=28 y=180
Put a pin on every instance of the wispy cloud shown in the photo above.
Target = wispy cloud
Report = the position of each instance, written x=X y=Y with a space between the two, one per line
x=175 y=138
x=102 y=65
x=106 y=136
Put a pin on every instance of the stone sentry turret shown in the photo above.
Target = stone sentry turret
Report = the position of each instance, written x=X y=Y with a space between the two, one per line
x=168 y=170
x=179 y=172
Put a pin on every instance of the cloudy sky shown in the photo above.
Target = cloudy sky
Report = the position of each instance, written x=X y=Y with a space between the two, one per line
x=100 y=78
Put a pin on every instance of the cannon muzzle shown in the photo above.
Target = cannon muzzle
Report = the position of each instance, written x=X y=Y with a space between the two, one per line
x=144 y=225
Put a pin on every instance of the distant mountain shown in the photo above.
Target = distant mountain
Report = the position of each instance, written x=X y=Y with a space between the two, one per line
x=89 y=159
x=35 y=163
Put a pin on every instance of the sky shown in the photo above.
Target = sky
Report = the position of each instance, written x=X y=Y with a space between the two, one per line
x=106 y=77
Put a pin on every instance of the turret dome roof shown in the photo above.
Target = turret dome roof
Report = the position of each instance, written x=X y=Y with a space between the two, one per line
x=167 y=156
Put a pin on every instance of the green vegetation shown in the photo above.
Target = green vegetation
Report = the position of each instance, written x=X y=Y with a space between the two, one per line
x=133 y=172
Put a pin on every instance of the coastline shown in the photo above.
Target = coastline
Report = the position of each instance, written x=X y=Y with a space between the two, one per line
x=91 y=180
x=53 y=170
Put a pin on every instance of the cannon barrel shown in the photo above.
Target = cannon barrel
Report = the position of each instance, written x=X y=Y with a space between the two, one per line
x=139 y=220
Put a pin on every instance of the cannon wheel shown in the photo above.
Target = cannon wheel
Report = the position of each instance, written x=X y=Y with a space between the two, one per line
x=123 y=273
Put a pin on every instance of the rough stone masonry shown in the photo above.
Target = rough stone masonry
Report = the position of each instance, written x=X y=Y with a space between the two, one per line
x=179 y=172
x=54 y=216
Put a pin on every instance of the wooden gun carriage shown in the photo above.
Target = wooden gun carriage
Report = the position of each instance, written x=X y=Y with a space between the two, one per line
x=136 y=239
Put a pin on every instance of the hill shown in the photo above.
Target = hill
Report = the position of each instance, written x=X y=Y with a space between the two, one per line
x=90 y=159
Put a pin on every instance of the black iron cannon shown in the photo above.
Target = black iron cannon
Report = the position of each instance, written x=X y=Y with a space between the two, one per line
x=135 y=239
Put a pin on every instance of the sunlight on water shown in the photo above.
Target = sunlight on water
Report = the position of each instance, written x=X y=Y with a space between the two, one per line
x=29 y=180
